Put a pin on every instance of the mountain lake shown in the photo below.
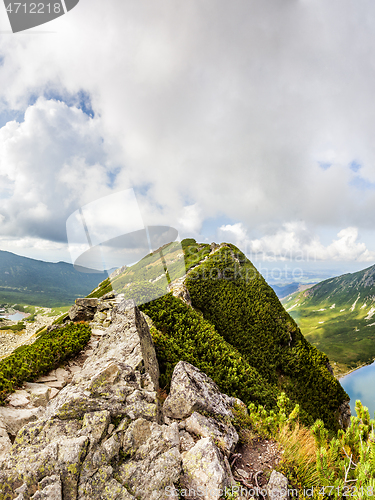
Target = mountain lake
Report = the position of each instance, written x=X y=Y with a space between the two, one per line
x=14 y=317
x=360 y=384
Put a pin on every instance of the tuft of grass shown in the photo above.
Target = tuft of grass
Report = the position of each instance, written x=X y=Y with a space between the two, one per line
x=299 y=458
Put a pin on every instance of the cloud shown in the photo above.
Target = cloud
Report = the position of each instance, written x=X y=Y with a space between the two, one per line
x=191 y=220
x=51 y=162
x=250 y=110
x=293 y=241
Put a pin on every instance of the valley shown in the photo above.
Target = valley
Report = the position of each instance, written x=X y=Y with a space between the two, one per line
x=338 y=317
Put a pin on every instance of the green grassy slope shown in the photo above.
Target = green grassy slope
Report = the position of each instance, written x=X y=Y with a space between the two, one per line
x=338 y=316
x=35 y=282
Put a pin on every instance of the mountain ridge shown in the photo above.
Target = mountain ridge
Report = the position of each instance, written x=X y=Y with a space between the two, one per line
x=37 y=282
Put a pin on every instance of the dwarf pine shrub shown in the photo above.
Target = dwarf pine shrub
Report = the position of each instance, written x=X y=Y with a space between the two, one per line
x=28 y=362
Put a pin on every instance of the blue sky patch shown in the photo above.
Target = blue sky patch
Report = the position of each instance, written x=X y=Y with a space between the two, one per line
x=80 y=100
x=324 y=165
x=355 y=166
x=112 y=175
x=10 y=115
x=361 y=183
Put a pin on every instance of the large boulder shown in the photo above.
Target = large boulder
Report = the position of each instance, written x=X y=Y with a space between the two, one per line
x=155 y=463
x=192 y=390
x=224 y=434
x=15 y=418
x=206 y=471
x=83 y=310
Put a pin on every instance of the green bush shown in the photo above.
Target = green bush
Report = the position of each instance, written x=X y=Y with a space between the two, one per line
x=235 y=298
x=15 y=328
x=28 y=362
x=183 y=334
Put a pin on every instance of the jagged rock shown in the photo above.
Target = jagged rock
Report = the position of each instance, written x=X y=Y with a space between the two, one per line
x=5 y=442
x=71 y=439
x=49 y=488
x=100 y=316
x=192 y=390
x=15 y=418
x=344 y=414
x=83 y=310
x=155 y=462
x=224 y=435
x=180 y=291
x=206 y=471
x=277 y=487
x=186 y=441
x=84 y=302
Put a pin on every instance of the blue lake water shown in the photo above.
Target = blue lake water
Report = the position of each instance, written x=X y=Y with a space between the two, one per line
x=14 y=317
x=360 y=384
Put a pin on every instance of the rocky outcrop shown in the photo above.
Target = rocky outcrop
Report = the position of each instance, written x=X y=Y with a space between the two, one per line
x=180 y=291
x=81 y=430
x=344 y=414
x=206 y=471
x=83 y=310
x=5 y=442
x=192 y=390
x=104 y=436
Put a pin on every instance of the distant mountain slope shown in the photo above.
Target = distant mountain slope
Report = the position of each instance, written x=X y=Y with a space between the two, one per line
x=338 y=316
x=35 y=282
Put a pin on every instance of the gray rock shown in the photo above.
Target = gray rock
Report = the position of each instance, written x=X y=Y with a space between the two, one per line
x=277 y=487
x=155 y=460
x=14 y=418
x=180 y=291
x=83 y=310
x=186 y=441
x=71 y=441
x=18 y=398
x=93 y=303
x=205 y=470
x=102 y=435
x=344 y=414
x=49 y=488
x=192 y=390
x=39 y=393
x=5 y=442
x=224 y=435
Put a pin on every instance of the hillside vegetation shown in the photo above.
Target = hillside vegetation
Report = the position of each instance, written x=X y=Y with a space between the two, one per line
x=237 y=331
x=338 y=316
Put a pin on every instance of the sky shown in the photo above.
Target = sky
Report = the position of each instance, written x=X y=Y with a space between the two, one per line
x=247 y=121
